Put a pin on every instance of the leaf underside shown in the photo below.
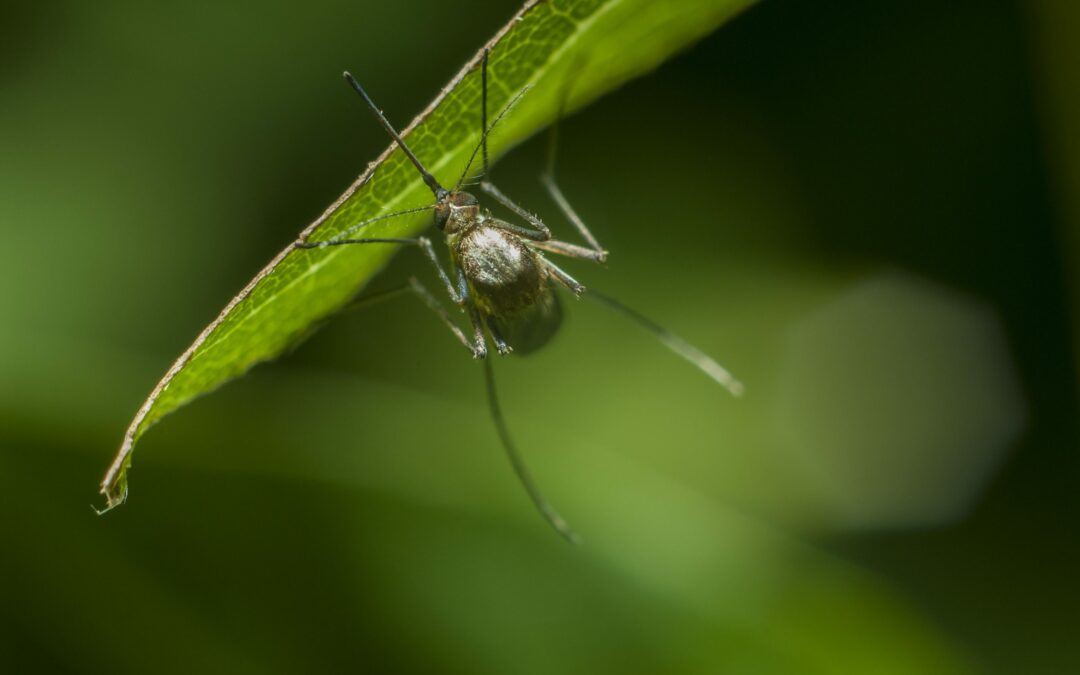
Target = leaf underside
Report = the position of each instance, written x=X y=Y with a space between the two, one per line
x=600 y=43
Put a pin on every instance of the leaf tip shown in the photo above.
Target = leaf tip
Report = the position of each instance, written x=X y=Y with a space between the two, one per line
x=115 y=489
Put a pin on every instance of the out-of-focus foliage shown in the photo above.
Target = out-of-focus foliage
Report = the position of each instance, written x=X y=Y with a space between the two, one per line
x=847 y=203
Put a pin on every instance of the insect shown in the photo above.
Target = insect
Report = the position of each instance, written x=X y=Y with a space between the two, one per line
x=500 y=276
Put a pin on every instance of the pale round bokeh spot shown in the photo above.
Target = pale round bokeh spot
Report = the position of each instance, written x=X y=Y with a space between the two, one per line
x=899 y=400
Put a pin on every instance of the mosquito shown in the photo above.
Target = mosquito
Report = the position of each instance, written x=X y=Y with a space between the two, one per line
x=499 y=275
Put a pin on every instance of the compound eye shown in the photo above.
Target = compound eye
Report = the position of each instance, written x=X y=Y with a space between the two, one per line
x=442 y=214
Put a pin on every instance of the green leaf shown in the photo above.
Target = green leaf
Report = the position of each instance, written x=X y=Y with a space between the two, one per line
x=599 y=44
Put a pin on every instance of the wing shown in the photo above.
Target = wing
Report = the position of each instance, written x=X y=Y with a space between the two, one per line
x=531 y=329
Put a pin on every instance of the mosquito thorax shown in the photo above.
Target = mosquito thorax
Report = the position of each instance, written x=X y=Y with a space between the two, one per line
x=455 y=211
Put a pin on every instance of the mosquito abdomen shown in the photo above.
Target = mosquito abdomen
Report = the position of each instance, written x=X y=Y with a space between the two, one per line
x=506 y=275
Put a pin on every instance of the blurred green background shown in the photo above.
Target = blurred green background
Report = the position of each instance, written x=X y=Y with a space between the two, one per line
x=866 y=211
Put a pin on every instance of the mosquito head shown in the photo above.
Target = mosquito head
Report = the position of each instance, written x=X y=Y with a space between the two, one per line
x=455 y=211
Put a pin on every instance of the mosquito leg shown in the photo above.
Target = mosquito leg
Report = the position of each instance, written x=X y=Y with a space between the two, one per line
x=365 y=301
x=563 y=278
x=423 y=242
x=547 y=178
x=522 y=471
x=418 y=289
x=541 y=233
x=478 y=349
x=500 y=342
x=479 y=342
x=570 y=250
x=355 y=303
x=533 y=236
x=681 y=347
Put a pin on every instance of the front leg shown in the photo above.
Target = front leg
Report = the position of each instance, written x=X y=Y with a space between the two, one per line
x=547 y=178
x=541 y=233
x=596 y=252
x=570 y=250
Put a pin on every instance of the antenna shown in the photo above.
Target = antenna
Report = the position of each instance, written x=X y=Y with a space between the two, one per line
x=487 y=132
x=483 y=110
x=439 y=190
